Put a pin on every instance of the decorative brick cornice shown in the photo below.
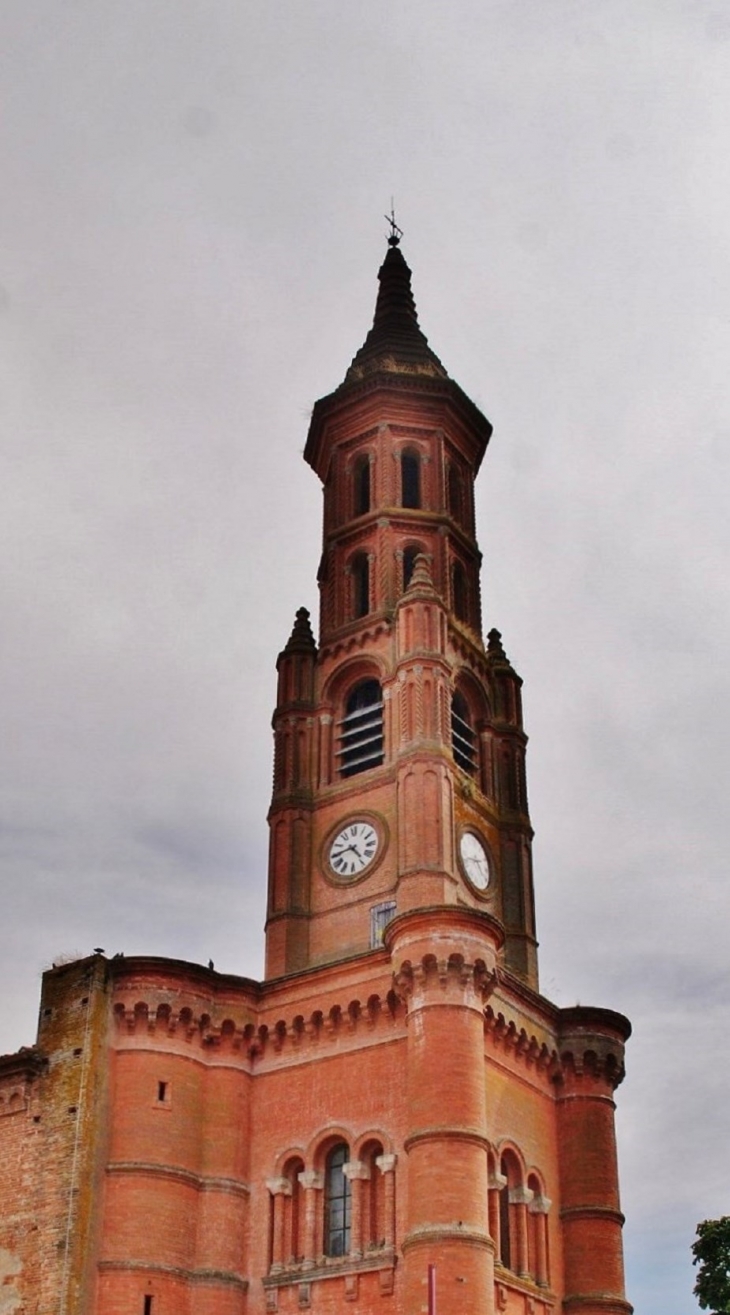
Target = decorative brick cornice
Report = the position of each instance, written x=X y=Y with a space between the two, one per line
x=215 y=1277
x=430 y=1234
x=593 y=1212
x=350 y=640
x=474 y=1136
x=250 y=1041
x=593 y=1301
x=507 y=1035
x=201 y=1182
x=591 y=1041
x=455 y=970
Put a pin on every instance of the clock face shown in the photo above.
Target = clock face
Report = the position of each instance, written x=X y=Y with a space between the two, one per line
x=474 y=860
x=353 y=849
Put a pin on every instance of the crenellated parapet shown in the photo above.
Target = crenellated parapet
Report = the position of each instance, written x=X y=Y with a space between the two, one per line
x=591 y=1043
x=251 y=1039
x=470 y=935
x=449 y=975
x=513 y=1039
x=588 y=1043
x=358 y=1020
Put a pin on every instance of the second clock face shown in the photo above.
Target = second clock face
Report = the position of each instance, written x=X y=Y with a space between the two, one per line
x=353 y=849
x=474 y=860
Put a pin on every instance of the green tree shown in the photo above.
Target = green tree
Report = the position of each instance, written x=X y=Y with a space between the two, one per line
x=711 y=1251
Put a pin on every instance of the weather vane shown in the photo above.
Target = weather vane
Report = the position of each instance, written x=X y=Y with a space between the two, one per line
x=396 y=233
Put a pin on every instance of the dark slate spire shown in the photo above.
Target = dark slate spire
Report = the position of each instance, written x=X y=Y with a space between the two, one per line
x=395 y=343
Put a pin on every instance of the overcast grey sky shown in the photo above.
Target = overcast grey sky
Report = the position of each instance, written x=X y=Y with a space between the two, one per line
x=190 y=234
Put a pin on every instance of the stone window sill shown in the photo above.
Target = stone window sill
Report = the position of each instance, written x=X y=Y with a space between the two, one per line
x=324 y=1267
x=507 y=1281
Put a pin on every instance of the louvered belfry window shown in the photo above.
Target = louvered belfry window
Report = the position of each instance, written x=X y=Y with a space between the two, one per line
x=463 y=735
x=360 y=732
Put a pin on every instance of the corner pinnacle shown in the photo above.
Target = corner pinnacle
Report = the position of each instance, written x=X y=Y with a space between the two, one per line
x=301 y=639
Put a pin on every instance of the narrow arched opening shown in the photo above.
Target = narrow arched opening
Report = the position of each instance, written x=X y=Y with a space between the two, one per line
x=459 y=591
x=293 y=1251
x=361 y=486
x=360 y=571
x=337 y=1202
x=410 y=476
x=506 y=1241
x=373 y=1199
x=453 y=492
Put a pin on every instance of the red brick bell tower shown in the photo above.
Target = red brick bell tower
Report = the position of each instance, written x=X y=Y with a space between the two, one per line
x=399 y=814
x=396 y=1098
x=400 y=722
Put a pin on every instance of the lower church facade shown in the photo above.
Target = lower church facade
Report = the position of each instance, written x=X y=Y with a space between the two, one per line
x=395 y=1119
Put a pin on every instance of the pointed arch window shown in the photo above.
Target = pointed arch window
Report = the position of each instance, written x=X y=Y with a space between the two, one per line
x=360 y=569
x=360 y=740
x=337 y=1202
x=410 y=479
x=361 y=485
x=463 y=734
x=459 y=591
x=373 y=1207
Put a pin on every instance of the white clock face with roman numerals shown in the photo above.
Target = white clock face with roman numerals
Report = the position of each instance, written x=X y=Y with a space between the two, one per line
x=353 y=849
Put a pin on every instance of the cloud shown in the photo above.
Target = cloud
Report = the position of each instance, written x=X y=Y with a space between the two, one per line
x=191 y=228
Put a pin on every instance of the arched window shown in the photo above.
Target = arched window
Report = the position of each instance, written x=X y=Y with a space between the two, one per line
x=361 y=483
x=337 y=1202
x=459 y=591
x=360 y=568
x=454 y=492
x=360 y=744
x=409 y=561
x=505 y=1239
x=533 y=1223
x=511 y=1239
x=410 y=479
x=373 y=1199
x=293 y=1249
x=463 y=735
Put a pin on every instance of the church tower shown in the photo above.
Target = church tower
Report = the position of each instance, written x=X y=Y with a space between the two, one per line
x=394 y=1117
x=399 y=777
x=399 y=816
